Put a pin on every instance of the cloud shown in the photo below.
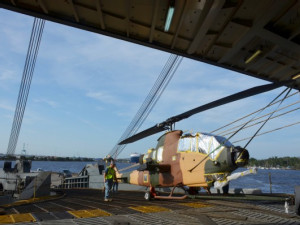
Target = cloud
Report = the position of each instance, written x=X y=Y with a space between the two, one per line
x=9 y=78
x=7 y=75
x=7 y=107
x=90 y=124
x=103 y=97
x=100 y=108
x=15 y=32
x=51 y=103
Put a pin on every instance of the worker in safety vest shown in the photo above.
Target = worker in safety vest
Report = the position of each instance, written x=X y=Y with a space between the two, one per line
x=109 y=178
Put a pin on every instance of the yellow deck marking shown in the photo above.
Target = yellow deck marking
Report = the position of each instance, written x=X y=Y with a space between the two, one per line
x=99 y=212
x=149 y=209
x=31 y=200
x=89 y=213
x=5 y=219
x=195 y=204
x=17 y=218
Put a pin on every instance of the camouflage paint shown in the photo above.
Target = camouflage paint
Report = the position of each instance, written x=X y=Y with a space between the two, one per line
x=190 y=160
x=222 y=163
x=172 y=168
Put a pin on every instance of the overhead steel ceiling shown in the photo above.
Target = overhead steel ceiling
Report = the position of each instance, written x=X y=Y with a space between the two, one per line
x=224 y=33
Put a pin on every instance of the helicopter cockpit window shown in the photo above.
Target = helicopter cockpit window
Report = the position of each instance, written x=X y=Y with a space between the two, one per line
x=194 y=144
x=184 y=144
x=223 y=141
x=188 y=144
x=153 y=155
x=160 y=154
x=203 y=143
x=208 y=144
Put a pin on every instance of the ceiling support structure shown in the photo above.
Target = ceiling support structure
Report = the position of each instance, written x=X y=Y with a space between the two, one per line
x=222 y=33
x=182 y=18
x=154 y=18
x=210 y=12
x=265 y=18
x=75 y=14
x=100 y=14
x=43 y=6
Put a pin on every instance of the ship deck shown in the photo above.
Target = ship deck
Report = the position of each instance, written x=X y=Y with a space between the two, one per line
x=86 y=206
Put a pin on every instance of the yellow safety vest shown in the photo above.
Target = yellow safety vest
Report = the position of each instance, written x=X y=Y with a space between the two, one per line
x=110 y=173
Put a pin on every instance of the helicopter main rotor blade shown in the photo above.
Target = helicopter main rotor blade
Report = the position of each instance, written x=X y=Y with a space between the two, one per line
x=231 y=98
x=150 y=131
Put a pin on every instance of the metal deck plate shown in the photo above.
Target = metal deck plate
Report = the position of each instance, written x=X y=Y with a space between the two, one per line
x=89 y=213
x=63 y=215
x=149 y=209
x=131 y=208
x=196 y=204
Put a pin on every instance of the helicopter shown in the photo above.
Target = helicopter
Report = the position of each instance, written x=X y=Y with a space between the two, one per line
x=193 y=160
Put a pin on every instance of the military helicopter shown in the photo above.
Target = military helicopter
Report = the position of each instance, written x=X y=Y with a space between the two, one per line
x=189 y=160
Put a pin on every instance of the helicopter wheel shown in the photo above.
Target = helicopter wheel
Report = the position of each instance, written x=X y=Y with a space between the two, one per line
x=148 y=196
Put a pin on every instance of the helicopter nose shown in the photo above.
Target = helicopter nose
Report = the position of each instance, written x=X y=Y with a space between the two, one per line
x=240 y=156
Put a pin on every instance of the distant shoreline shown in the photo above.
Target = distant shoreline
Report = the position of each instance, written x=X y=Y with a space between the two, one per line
x=54 y=158
x=47 y=158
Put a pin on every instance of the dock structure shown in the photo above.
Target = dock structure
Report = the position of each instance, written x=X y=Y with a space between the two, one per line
x=86 y=206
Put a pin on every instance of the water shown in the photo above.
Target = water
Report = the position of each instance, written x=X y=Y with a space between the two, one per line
x=58 y=166
x=283 y=181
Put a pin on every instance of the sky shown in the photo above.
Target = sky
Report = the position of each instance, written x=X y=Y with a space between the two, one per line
x=87 y=87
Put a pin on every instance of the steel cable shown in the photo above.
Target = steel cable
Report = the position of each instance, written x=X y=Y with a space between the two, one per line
x=36 y=41
x=224 y=133
x=282 y=114
x=150 y=101
x=266 y=132
x=250 y=114
x=32 y=52
x=116 y=149
x=267 y=118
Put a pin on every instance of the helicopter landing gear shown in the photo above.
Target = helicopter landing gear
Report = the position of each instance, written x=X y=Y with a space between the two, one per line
x=150 y=194
x=156 y=195
x=194 y=190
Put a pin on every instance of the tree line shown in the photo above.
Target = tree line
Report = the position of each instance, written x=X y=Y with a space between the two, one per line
x=277 y=162
x=45 y=158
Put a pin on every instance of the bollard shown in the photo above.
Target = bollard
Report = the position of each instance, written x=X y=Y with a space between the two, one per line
x=286 y=205
x=270 y=181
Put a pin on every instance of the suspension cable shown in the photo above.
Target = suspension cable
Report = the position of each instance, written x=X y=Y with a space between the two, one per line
x=273 y=117
x=227 y=139
x=269 y=131
x=32 y=52
x=224 y=133
x=268 y=118
x=155 y=93
x=114 y=152
x=262 y=109
x=251 y=113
